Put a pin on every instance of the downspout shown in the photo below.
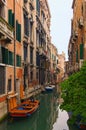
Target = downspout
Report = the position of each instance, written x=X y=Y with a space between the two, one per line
x=14 y=45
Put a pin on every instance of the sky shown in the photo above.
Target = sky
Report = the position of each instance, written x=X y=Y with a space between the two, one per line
x=61 y=15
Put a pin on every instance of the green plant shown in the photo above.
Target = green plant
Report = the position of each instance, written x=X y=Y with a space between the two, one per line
x=74 y=94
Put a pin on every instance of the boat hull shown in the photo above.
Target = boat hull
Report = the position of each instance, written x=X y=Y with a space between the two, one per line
x=49 y=88
x=26 y=109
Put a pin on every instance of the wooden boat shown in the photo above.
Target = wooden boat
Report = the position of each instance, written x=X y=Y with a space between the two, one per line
x=32 y=106
x=19 y=112
x=25 y=109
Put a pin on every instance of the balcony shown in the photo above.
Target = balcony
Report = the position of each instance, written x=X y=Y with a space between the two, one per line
x=6 y=31
x=2 y=2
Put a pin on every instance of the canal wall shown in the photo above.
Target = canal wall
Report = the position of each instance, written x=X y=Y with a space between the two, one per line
x=30 y=92
x=3 y=110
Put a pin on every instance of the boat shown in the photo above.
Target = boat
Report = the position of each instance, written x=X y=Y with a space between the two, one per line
x=49 y=88
x=82 y=126
x=30 y=105
x=24 y=109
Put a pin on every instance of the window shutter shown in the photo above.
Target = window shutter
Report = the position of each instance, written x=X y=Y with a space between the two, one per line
x=18 y=60
x=81 y=51
x=10 y=58
x=77 y=56
x=2 y=80
x=16 y=30
x=4 y=55
x=13 y=19
x=19 y=32
x=27 y=26
x=10 y=17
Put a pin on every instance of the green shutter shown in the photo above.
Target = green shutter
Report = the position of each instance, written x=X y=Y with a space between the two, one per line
x=10 y=58
x=18 y=60
x=77 y=56
x=13 y=19
x=19 y=32
x=81 y=51
x=4 y=55
x=10 y=17
x=16 y=30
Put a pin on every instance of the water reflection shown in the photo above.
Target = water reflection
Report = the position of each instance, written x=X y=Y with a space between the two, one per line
x=61 y=122
x=43 y=119
x=47 y=117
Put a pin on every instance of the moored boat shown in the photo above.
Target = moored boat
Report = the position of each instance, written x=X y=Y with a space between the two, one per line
x=82 y=126
x=24 y=109
x=49 y=88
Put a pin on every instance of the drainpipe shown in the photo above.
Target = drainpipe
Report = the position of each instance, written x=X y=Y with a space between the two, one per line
x=14 y=45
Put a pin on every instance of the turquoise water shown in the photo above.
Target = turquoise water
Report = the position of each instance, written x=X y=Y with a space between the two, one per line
x=47 y=117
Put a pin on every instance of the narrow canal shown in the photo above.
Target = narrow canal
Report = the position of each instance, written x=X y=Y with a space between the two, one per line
x=47 y=117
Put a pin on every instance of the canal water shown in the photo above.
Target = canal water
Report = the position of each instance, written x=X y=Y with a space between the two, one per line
x=47 y=117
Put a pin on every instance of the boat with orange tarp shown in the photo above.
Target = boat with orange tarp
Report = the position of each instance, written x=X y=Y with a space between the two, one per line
x=24 y=109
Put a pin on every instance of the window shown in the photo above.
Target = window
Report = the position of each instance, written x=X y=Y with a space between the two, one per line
x=18 y=60
x=37 y=38
x=18 y=31
x=10 y=58
x=77 y=56
x=25 y=46
x=31 y=31
x=9 y=84
x=2 y=80
x=4 y=55
x=31 y=75
x=11 y=18
x=2 y=10
x=38 y=6
x=31 y=55
x=26 y=25
x=81 y=51
x=37 y=59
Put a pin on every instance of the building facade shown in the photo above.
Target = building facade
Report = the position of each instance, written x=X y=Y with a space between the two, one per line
x=10 y=50
x=25 y=48
x=61 y=67
x=54 y=64
x=77 y=43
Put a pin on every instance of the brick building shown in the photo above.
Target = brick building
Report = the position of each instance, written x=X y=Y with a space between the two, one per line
x=77 y=43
